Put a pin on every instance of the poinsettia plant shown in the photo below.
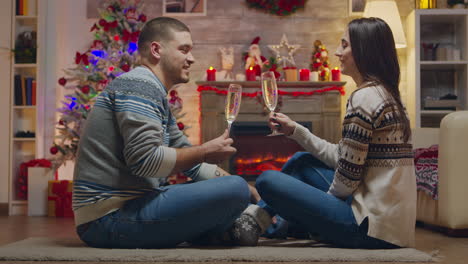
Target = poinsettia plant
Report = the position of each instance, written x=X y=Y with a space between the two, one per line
x=277 y=7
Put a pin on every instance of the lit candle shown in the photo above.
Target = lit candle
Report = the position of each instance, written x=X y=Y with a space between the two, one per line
x=250 y=74
x=211 y=74
x=304 y=74
x=336 y=74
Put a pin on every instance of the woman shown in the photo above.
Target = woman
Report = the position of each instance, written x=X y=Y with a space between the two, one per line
x=360 y=193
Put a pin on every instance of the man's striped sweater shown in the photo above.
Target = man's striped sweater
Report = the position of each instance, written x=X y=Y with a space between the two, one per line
x=127 y=146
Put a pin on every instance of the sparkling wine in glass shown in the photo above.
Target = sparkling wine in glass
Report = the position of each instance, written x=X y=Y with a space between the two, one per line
x=233 y=102
x=270 y=94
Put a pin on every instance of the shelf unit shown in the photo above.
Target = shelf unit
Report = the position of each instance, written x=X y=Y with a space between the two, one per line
x=441 y=63
x=24 y=116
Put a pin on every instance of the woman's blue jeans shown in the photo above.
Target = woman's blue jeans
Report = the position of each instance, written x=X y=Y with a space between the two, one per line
x=299 y=194
x=180 y=213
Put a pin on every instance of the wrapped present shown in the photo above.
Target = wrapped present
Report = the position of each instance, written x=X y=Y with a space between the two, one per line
x=60 y=198
x=290 y=74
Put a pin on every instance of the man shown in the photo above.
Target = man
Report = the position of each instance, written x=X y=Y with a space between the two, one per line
x=131 y=143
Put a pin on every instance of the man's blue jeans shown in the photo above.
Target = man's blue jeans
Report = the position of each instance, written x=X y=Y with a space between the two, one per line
x=180 y=213
x=299 y=194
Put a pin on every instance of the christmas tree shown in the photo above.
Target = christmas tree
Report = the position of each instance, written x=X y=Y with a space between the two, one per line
x=112 y=53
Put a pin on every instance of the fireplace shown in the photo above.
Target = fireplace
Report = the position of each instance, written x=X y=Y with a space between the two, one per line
x=319 y=112
x=257 y=152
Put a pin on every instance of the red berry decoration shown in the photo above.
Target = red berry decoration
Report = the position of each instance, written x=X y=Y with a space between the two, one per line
x=142 y=18
x=181 y=126
x=85 y=89
x=125 y=67
x=53 y=150
x=62 y=81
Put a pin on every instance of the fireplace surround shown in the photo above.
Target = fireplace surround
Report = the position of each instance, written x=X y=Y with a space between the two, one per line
x=319 y=112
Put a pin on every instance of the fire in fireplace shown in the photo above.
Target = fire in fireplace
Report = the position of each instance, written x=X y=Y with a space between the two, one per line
x=257 y=152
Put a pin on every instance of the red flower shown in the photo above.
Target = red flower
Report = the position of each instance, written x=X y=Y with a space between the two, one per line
x=125 y=67
x=53 y=150
x=142 y=18
x=181 y=126
x=85 y=89
x=62 y=81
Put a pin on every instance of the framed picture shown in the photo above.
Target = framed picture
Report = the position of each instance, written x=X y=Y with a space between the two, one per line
x=184 y=7
x=356 y=7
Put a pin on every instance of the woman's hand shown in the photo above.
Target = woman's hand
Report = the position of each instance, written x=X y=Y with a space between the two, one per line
x=282 y=123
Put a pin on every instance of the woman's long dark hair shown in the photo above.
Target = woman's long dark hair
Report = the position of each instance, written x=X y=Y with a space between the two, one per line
x=375 y=56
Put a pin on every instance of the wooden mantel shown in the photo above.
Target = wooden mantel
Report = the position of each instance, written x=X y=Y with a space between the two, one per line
x=287 y=85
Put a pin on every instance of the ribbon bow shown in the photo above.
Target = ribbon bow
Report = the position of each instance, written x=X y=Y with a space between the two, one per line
x=132 y=36
x=81 y=57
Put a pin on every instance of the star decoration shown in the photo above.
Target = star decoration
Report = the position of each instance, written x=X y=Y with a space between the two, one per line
x=284 y=52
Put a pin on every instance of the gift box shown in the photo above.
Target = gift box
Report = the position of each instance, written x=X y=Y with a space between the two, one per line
x=60 y=198
x=290 y=74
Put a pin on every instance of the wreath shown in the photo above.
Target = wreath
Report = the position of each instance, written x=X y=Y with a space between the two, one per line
x=277 y=7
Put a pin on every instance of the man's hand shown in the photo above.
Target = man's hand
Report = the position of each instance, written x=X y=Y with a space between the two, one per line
x=281 y=123
x=218 y=149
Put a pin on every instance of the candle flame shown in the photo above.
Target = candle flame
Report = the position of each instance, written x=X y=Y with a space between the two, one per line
x=251 y=68
x=211 y=68
x=336 y=68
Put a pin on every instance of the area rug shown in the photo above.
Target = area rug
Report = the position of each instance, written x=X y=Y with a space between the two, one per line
x=72 y=249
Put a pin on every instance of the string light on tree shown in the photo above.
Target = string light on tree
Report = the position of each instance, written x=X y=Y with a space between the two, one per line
x=112 y=53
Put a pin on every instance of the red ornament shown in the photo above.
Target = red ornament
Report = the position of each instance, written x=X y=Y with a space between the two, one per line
x=102 y=22
x=181 y=126
x=125 y=67
x=113 y=24
x=116 y=37
x=53 y=150
x=85 y=89
x=142 y=18
x=62 y=81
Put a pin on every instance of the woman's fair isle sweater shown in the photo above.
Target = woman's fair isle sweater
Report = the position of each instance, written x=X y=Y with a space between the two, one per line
x=373 y=164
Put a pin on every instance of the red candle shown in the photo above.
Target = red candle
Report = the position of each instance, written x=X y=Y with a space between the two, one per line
x=336 y=74
x=250 y=74
x=211 y=74
x=304 y=74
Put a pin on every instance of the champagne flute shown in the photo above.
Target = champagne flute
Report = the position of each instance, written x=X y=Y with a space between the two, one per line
x=270 y=94
x=233 y=101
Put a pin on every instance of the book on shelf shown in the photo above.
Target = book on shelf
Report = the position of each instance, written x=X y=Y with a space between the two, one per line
x=25 y=90
x=34 y=92
x=29 y=90
x=26 y=7
x=18 y=90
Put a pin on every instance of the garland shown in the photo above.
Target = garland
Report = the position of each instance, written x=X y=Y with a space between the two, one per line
x=277 y=7
x=280 y=92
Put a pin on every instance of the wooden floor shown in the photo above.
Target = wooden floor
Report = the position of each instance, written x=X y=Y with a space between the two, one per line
x=14 y=228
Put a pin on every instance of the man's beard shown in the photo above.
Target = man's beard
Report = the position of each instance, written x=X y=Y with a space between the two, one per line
x=173 y=73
